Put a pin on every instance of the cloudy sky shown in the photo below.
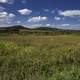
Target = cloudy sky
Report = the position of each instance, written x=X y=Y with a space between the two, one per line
x=33 y=13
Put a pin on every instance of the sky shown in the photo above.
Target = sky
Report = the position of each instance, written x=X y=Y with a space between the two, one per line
x=34 y=13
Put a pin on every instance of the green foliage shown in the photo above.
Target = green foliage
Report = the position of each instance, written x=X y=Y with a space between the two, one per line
x=40 y=57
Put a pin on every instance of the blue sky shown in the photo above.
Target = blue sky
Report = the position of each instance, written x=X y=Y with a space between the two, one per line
x=33 y=13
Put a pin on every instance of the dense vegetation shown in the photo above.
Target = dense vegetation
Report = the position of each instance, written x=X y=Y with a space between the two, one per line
x=32 y=57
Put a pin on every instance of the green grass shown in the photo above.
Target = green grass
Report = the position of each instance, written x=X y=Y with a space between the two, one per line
x=34 y=57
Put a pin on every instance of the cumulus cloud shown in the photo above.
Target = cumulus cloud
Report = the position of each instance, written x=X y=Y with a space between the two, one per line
x=48 y=25
x=7 y=1
x=25 y=11
x=11 y=15
x=3 y=1
x=18 y=22
x=70 y=13
x=37 y=19
x=3 y=14
x=6 y=17
x=57 y=18
x=3 y=17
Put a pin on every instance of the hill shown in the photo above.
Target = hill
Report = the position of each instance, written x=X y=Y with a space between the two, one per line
x=40 y=30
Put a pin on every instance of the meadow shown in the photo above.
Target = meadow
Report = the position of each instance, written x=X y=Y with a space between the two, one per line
x=37 y=57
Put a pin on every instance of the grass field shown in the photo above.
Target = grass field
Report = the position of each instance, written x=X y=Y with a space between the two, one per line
x=34 y=57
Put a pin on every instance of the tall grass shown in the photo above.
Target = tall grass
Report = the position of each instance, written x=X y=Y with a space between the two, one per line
x=40 y=57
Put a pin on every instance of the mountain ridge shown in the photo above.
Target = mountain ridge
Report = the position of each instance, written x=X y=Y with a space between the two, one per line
x=18 y=27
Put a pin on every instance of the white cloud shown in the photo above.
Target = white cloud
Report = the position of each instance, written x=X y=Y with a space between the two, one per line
x=3 y=17
x=37 y=19
x=3 y=14
x=3 y=1
x=65 y=24
x=7 y=1
x=25 y=11
x=48 y=25
x=6 y=17
x=57 y=18
x=36 y=25
x=18 y=22
x=11 y=15
x=70 y=13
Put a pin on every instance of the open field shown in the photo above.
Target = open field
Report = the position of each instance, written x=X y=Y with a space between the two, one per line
x=35 y=57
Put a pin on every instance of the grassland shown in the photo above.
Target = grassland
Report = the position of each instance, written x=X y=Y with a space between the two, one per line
x=39 y=57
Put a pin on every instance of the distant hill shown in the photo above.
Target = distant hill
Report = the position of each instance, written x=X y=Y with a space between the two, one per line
x=45 y=28
x=19 y=28
x=13 y=27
